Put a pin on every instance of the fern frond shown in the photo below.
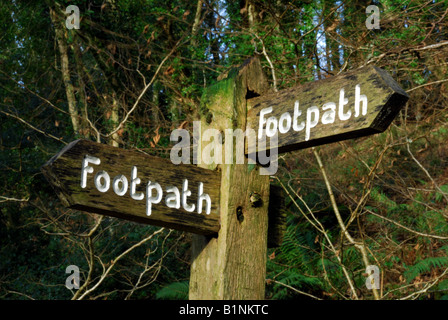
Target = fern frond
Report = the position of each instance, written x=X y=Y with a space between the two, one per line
x=174 y=291
x=380 y=197
x=425 y=266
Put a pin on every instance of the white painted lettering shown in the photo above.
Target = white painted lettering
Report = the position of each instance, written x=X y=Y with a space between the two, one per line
x=342 y=102
x=311 y=112
x=329 y=116
x=134 y=182
x=201 y=197
x=150 y=199
x=185 y=194
x=172 y=199
x=124 y=185
x=282 y=127
x=85 y=168
x=360 y=98
x=263 y=121
x=297 y=113
x=271 y=127
x=326 y=114
x=102 y=175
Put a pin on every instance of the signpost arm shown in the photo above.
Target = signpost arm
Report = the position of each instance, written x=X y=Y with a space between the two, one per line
x=233 y=264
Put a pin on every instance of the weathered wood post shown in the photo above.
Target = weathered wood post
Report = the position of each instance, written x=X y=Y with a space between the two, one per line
x=233 y=264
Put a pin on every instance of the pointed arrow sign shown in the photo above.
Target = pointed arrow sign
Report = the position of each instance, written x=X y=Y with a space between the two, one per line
x=354 y=104
x=131 y=185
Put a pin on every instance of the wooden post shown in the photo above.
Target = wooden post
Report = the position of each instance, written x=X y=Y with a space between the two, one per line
x=233 y=264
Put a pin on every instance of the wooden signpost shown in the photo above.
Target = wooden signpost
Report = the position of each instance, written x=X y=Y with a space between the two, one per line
x=127 y=184
x=231 y=208
x=99 y=178
x=351 y=105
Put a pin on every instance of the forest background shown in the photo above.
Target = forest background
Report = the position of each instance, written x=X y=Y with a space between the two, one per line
x=135 y=71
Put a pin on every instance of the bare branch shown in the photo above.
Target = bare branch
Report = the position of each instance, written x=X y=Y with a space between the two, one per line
x=114 y=262
x=360 y=246
x=120 y=125
x=406 y=228
x=33 y=127
x=316 y=224
x=13 y=199
x=428 y=286
x=427 y=84
x=293 y=289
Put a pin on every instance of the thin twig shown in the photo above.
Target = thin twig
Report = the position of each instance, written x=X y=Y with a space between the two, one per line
x=427 y=84
x=361 y=246
x=293 y=289
x=33 y=127
x=120 y=125
x=114 y=261
x=416 y=294
x=316 y=224
x=91 y=258
x=425 y=171
x=271 y=65
x=13 y=199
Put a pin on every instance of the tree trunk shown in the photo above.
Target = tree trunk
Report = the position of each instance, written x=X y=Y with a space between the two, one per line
x=63 y=51
x=115 y=120
x=196 y=23
x=83 y=125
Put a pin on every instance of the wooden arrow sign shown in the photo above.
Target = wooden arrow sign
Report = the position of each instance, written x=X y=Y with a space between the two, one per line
x=131 y=185
x=354 y=104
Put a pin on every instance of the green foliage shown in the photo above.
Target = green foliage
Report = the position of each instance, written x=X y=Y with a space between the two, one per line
x=425 y=266
x=295 y=262
x=380 y=197
x=439 y=196
x=174 y=291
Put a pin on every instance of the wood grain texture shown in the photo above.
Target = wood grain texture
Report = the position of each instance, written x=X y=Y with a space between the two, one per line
x=233 y=265
x=63 y=171
x=384 y=95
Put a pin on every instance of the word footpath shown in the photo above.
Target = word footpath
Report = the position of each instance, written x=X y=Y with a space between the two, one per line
x=120 y=186
x=128 y=184
x=273 y=126
x=355 y=104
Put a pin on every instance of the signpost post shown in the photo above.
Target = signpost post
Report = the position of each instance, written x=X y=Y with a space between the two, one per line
x=230 y=207
x=233 y=265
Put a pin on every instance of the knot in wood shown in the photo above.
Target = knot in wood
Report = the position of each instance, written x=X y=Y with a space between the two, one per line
x=255 y=199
